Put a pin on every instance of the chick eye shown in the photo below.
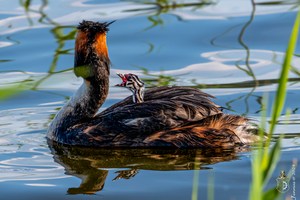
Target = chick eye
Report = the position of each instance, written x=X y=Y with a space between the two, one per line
x=129 y=78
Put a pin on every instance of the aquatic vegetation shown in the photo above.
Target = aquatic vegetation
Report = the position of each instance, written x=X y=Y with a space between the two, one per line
x=265 y=160
x=165 y=6
x=245 y=47
x=157 y=79
x=61 y=33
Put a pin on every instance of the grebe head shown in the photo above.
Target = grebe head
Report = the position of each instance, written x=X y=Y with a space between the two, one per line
x=91 y=52
x=94 y=27
x=134 y=84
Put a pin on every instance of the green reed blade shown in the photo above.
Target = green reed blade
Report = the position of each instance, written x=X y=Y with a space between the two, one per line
x=265 y=161
x=281 y=90
x=282 y=85
x=7 y=92
x=272 y=193
x=273 y=158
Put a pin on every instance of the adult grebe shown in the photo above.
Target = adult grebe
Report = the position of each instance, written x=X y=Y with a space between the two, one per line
x=175 y=116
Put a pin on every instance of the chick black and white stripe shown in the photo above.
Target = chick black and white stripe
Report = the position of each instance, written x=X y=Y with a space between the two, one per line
x=136 y=86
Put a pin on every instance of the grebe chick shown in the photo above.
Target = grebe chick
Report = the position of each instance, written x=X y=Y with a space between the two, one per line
x=177 y=117
x=135 y=85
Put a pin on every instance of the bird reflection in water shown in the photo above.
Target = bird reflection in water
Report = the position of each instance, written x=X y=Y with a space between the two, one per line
x=90 y=164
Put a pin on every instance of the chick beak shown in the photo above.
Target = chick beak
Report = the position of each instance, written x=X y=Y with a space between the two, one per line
x=124 y=80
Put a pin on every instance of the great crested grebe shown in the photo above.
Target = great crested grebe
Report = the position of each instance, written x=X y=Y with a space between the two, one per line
x=179 y=117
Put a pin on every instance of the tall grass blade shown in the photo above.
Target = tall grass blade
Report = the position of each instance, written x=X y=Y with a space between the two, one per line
x=281 y=90
x=274 y=156
x=272 y=193
x=7 y=92
x=265 y=161
x=210 y=188
x=196 y=178
x=195 y=184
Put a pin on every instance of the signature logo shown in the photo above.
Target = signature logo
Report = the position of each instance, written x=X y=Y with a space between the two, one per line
x=282 y=182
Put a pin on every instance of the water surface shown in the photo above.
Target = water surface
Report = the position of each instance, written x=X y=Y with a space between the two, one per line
x=230 y=49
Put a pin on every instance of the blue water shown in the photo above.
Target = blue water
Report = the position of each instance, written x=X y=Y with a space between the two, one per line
x=227 y=48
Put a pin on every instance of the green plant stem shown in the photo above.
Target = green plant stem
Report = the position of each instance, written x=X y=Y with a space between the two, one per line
x=265 y=160
x=196 y=178
x=281 y=90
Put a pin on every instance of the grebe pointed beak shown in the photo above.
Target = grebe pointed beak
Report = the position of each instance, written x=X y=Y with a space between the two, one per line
x=109 y=23
x=120 y=75
x=124 y=80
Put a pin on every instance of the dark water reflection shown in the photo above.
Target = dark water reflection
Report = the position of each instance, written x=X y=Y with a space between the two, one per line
x=92 y=165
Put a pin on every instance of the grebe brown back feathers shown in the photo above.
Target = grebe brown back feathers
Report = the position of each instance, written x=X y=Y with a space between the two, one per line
x=168 y=117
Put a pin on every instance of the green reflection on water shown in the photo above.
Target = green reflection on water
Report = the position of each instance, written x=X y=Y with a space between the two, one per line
x=61 y=37
x=90 y=163
x=165 y=6
x=65 y=33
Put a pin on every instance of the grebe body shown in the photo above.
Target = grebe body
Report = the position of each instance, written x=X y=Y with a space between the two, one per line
x=174 y=116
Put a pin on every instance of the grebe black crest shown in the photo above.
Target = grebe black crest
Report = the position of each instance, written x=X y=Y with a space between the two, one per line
x=94 y=27
x=169 y=116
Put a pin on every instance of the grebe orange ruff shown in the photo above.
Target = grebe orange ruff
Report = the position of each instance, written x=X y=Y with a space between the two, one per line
x=178 y=117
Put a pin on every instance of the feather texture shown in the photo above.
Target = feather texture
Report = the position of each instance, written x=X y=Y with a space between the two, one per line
x=175 y=116
x=169 y=117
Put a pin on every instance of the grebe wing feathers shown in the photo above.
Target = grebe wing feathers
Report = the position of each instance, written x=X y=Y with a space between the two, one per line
x=191 y=97
x=163 y=108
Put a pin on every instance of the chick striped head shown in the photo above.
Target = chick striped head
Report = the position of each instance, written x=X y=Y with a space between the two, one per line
x=134 y=84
